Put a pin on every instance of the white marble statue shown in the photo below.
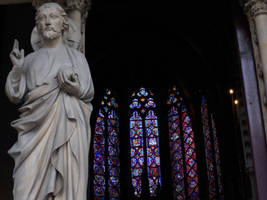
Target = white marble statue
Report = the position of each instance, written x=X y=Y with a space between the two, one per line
x=56 y=88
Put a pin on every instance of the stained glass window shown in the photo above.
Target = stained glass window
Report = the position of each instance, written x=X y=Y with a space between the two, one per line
x=212 y=153
x=182 y=146
x=144 y=140
x=217 y=159
x=106 y=165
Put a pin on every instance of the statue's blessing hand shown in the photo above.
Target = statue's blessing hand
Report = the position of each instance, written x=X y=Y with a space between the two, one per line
x=16 y=55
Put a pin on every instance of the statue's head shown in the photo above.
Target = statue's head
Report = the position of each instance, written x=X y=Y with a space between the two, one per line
x=51 y=21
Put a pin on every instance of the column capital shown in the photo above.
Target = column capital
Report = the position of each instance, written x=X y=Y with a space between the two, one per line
x=255 y=7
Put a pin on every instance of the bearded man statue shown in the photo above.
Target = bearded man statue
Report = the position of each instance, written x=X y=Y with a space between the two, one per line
x=55 y=86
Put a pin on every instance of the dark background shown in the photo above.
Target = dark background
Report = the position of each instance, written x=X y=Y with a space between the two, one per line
x=155 y=45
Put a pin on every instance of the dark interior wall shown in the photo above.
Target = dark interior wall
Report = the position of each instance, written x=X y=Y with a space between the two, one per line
x=135 y=43
x=16 y=21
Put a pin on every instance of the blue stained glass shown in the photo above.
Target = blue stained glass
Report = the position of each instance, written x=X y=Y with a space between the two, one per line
x=181 y=154
x=141 y=161
x=172 y=99
x=209 y=133
x=149 y=160
x=150 y=103
x=114 y=180
x=114 y=172
x=151 y=123
x=135 y=104
x=142 y=113
x=153 y=141
x=149 y=152
x=188 y=130
x=142 y=92
x=136 y=142
x=113 y=140
x=99 y=139
x=217 y=159
x=133 y=162
x=188 y=140
x=135 y=116
x=190 y=158
x=137 y=172
x=99 y=179
x=107 y=126
x=99 y=169
x=156 y=150
x=151 y=115
x=192 y=173
x=193 y=184
x=175 y=136
x=153 y=161
x=191 y=162
x=132 y=153
x=157 y=160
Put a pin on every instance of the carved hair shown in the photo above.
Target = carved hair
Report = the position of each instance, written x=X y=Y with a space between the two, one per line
x=59 y=9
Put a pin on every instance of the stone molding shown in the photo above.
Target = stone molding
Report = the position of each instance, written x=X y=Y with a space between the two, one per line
x=255 y=7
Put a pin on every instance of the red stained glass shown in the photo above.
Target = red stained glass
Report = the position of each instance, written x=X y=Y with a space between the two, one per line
x=144 y=116
x=182 y=149
x=212 y=153
x=106 y=163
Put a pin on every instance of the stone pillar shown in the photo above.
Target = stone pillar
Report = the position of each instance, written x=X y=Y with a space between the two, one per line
x=256 y=11
x=77 y=10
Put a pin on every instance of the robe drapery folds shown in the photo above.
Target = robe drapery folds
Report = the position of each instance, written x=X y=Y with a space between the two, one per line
x=51 y=153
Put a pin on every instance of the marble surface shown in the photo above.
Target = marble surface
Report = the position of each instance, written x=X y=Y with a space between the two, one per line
x=55 y=86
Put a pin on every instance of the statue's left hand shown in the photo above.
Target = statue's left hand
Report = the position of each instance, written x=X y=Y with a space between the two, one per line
x=69 y=82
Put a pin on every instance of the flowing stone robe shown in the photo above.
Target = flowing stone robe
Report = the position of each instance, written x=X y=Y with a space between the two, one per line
x=51 y=153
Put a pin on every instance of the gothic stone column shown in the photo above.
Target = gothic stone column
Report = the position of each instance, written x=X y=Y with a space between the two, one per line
x=77 y=10
x=254 y=88
x=256 y=11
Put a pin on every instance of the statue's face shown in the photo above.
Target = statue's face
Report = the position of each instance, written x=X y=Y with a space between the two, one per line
x=50 y=23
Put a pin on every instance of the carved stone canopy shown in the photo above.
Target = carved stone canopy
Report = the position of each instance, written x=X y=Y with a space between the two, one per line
x=80 y=5
x=255 y=7
x=69 y=5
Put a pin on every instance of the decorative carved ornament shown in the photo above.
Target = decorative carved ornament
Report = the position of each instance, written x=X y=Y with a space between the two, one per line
x=66 y=4
x=255 y=7
x=82 y=5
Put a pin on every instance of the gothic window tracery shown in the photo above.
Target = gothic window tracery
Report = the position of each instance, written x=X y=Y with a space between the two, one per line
x=144 y=142
x=182 y=149
x=145 y=173
x=106 y=166
x=212 y=153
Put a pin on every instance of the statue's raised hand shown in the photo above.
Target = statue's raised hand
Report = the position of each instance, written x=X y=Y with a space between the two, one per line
x=16 y=55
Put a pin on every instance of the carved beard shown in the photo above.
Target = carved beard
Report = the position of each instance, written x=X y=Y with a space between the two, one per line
x=50 y=33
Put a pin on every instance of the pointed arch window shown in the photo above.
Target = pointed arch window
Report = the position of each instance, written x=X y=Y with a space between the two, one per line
x=144 y=142
x=182 y=149
x=106 y=166
x=212 y=153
